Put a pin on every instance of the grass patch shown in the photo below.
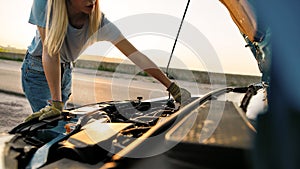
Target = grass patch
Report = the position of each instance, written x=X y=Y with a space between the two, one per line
x=12 y=59
x=102 y=68
x=142 y=74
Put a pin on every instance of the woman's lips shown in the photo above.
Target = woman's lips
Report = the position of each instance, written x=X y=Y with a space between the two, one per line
x=90 y=7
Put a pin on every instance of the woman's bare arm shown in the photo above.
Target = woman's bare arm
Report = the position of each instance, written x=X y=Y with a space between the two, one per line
x=52 y=69
x=142 y=61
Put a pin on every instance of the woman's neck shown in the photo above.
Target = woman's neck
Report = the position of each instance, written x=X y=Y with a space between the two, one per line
x=76 y=17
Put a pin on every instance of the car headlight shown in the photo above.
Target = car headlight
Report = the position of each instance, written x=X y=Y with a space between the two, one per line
x=3 y=139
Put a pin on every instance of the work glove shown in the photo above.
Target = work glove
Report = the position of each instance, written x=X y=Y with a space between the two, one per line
x=180 y=95
x=52 y=110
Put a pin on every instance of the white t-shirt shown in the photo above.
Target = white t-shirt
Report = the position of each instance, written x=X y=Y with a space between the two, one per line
x=76 y=39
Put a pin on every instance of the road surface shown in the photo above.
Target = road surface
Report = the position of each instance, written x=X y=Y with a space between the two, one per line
x=89 y=86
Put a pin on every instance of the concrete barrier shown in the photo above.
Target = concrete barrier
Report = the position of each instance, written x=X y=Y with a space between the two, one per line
x=179 y=74
x=12 y=56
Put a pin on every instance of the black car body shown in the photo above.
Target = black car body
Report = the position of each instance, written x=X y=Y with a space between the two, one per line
x=209 y=131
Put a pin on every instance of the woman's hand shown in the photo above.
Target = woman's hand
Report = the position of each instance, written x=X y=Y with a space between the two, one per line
x=180 y=95
x=53 y=110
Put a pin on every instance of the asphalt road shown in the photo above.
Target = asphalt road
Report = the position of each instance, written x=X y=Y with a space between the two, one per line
x=94 y=86
x=13 y=110
x=88 y=87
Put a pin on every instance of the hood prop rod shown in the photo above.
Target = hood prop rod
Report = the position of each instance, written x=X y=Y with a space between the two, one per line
x=185 y=11
x=167 y=69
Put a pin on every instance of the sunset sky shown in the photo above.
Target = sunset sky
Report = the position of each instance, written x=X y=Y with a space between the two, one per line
x=209 y=17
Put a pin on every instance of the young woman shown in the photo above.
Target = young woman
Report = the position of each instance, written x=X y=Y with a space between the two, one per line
x=63 y=29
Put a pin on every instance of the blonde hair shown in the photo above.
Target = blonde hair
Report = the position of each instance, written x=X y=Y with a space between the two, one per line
x=57 y=24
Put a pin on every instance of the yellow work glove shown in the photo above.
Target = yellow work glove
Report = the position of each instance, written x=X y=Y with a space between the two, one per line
x=53 y=110
x=180 y=95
